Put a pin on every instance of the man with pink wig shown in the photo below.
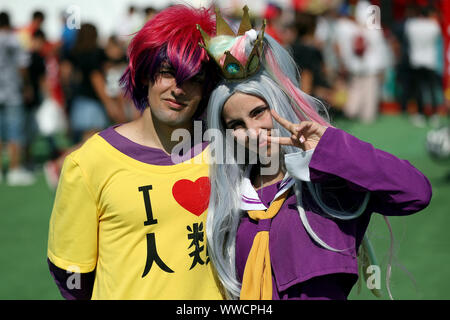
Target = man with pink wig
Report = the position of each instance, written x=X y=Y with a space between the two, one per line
x=128 y=222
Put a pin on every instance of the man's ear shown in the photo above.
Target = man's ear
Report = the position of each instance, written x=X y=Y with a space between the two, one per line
x=144 y=80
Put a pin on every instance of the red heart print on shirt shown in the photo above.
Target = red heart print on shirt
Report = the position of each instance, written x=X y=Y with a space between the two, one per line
x=193 y=196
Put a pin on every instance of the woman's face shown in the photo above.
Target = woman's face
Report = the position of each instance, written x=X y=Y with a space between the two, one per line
x=250 y=120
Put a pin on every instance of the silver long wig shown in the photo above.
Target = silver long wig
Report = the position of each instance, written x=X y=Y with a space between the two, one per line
x=226 y=176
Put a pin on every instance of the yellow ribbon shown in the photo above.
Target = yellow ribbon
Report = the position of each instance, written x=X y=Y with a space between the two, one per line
x=257 y=279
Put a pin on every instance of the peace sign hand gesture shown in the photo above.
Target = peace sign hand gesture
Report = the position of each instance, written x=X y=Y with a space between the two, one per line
x=305 y=135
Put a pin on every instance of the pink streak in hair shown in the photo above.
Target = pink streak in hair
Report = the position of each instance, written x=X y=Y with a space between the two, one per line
x=294 y=92
x=238 y=51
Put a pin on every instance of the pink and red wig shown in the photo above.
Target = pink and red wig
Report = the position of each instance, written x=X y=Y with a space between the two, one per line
x=171 y=36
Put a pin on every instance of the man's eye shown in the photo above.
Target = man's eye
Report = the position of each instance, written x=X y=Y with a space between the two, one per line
x=199 y=78
x=167 y=73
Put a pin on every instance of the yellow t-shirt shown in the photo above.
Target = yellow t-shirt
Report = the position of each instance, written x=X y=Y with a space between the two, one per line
x=140 y=226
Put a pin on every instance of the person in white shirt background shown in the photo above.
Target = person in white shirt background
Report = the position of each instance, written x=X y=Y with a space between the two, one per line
x=363 y=54
x=423 y=34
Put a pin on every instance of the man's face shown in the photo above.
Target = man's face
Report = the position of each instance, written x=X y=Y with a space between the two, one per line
x=171 y=104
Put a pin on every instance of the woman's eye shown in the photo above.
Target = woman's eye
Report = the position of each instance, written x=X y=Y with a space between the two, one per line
x=235 y=126
x=259 y=111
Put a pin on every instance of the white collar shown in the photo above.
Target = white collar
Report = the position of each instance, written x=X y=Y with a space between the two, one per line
x=250 y=199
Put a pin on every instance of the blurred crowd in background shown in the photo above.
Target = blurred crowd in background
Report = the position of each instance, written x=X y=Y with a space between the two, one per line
x=361 y=58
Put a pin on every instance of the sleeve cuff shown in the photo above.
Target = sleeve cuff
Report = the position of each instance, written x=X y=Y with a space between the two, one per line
x=70 y=266
x=297 y=164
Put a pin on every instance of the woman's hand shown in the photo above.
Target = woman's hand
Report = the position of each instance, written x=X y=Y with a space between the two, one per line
x=305 y=135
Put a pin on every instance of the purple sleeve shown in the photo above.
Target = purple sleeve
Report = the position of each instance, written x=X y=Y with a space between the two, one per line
x=82 y=287
x=397 y=188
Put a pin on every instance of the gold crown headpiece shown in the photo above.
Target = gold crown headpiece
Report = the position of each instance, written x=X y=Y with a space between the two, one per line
x=232 y=69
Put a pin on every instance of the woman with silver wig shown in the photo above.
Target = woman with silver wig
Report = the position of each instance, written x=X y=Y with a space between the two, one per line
x=287 y=220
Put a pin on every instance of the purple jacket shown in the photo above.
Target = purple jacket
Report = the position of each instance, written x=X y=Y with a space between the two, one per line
x=347 y=167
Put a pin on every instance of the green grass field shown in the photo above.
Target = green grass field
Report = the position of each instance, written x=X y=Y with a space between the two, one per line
x=420 y=246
